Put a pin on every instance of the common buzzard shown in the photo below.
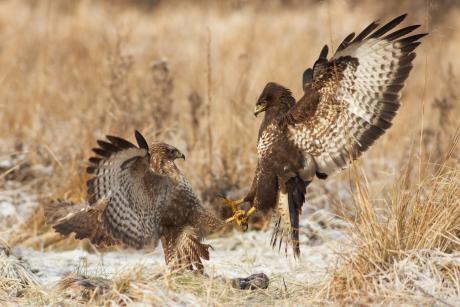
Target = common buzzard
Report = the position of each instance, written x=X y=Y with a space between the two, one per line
x=138 y=196
x=349 y=101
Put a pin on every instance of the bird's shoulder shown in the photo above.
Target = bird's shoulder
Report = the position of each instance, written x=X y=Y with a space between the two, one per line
x=182 y=191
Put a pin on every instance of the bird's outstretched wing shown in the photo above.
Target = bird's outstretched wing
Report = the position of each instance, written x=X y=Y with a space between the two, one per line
x=85 y=221
x=352 y=98
x=132 y=191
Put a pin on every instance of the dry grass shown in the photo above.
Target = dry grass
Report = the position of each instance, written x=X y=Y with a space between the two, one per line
x=189 y=74
x=15 y=274
x=92 y=71
x=154 y=286
x=412 y=238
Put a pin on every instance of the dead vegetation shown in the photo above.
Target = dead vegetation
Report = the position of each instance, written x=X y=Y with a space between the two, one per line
x=15 y=274
x=189 y=74
x=415 y=226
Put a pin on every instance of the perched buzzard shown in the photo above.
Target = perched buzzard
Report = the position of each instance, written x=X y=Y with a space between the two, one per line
x=349 y=102
x=138 y=196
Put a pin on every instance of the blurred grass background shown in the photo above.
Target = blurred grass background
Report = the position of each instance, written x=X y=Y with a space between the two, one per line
x=189 y=73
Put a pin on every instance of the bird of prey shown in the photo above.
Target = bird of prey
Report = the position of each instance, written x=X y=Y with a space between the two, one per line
x=137 y=196
x=349 y=101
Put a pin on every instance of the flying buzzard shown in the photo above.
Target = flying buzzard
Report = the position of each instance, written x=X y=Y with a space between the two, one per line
x=349 y=101
x=138 y=196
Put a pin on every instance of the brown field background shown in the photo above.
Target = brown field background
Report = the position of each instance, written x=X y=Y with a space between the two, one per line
x=72 y=72
x=189 y=73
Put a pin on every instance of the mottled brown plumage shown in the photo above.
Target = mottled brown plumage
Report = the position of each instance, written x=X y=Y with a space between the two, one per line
x=349 y=101
x=137 y=196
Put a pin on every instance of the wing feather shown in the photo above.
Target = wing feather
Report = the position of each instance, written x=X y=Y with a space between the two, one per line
x=344 y=44
x=310 y=73
x=389 y=26
x=368 y=30
x=84 y=221
x=355 y=96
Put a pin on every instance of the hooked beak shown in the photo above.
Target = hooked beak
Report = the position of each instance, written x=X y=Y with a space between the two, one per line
x=260 y=108
x=180 y=156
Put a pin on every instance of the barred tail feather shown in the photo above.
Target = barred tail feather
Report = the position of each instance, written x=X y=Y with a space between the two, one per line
x=183 y=250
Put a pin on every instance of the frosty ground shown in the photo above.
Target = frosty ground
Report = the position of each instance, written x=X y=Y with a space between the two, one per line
x=385 y=232
x=424 y=273
x=234 y=254
x=141 y=276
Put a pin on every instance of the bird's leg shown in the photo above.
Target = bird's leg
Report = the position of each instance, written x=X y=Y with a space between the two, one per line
x=233 y=203
x=239 y=216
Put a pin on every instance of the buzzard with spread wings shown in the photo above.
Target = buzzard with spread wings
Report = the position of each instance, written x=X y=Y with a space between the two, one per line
x=138 y=196
x=349 y=101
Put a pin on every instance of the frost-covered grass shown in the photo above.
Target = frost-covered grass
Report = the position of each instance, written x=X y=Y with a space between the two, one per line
x=141 y=276
x=405 y=251
x=189 y=74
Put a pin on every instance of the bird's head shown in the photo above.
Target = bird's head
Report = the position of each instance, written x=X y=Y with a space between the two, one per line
x=274 y=96
x=165 y=152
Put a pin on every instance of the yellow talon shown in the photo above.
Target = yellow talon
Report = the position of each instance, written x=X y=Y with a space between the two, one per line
x=236 y=217
x=239 y=216
x=233 y=204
